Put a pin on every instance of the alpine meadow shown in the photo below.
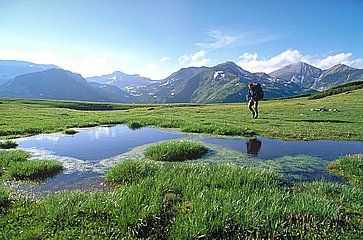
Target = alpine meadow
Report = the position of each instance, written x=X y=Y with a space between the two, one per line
x=181 y=119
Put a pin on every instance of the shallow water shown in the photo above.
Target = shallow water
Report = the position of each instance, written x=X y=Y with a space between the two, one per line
x=87 y=155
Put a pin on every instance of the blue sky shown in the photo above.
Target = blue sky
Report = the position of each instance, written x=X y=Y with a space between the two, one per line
x=156 y=38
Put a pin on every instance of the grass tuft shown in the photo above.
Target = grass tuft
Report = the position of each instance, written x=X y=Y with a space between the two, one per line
x=14 y=164
x=34 y=170
x=131 y=171
x=4 y=197
x=134 y=125
x=70 y=131
x=176 y=150
x=7 y=144
x=349 y=167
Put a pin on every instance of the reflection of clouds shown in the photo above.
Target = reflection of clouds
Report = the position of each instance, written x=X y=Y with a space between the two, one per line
x=100 y=132
x=69 y=164
x=96 y=135
x=51 y=137
x=105 y=131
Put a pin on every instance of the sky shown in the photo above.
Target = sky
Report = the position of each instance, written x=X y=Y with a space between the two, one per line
x=155 y=38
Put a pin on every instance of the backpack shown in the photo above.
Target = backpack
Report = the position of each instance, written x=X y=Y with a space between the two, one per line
x=258 y=88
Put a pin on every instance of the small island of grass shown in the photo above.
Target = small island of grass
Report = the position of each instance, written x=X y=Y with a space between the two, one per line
x=176 y=150
x=15 y=165
x=349 y=167
x=70 y=131
x=7 y=144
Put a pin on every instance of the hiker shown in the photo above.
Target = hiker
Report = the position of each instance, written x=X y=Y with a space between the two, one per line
x=255 y=93
x=253 y=147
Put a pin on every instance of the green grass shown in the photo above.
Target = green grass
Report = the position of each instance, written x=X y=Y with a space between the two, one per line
x=7 y=144
x=159 y=200
x=4 y=197
x=134 y=125
x=176 y=150
x=337 y=90
x=349 y=167
x=14 y=165
x=70 y=131
x=286 y=119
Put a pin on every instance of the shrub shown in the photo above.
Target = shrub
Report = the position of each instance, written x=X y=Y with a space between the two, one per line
x=177 y=150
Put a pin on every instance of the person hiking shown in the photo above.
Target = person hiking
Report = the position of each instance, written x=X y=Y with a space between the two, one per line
x=255 y=93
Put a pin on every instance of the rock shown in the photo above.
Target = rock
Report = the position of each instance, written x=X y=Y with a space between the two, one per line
x=150 y=108
x=319 y=109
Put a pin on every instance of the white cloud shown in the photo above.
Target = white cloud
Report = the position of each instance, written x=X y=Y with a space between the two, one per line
x=89 y=64
x=165 y=59
x=250 y=62
x=224 y=39
x=155 y=71
x=197 y=59
x=40 y=57
x=219 y=39
x=330 y=60
x=248 y=57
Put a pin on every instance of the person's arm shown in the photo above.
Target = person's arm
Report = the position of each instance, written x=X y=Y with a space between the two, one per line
x=248 y=96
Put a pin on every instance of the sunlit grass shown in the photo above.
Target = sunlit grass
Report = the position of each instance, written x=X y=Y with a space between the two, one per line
x=163 y=200
x=287 y=118
x=15 y=166
x=176 y=150
x=349 y=167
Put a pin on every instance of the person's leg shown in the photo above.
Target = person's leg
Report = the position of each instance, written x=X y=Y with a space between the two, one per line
x=250 y=107
x=256 y=110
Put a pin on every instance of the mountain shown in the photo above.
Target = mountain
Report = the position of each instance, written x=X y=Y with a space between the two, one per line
x=337 y=75
x=301 y=73
x=262 y=75
x=309 y=76
x=225 y=82
x=168 y=89
x=57 y=83
x=11 y=68
x=133 y=84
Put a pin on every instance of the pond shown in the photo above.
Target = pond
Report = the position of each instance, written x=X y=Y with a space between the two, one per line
x=87 y=155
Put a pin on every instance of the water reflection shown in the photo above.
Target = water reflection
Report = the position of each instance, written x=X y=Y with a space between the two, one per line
x=253 y=147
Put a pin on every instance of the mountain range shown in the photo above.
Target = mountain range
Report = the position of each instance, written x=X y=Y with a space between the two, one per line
x=224 y=82
x=308 y=76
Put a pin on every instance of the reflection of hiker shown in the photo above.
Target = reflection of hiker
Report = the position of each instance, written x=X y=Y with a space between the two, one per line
x=255 y=94
x=253 y=147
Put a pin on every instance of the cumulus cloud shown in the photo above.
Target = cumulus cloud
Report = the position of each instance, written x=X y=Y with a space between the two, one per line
x=40 y=57
x=165 y=59
x=197 y=59
x=250 y=62
x=89 y=64
x=155 y=71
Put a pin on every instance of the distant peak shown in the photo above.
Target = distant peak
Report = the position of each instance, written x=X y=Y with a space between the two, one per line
x=341 y=66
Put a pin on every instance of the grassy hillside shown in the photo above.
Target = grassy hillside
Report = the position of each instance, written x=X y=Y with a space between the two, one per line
x=337 y=90
x=288 y=118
